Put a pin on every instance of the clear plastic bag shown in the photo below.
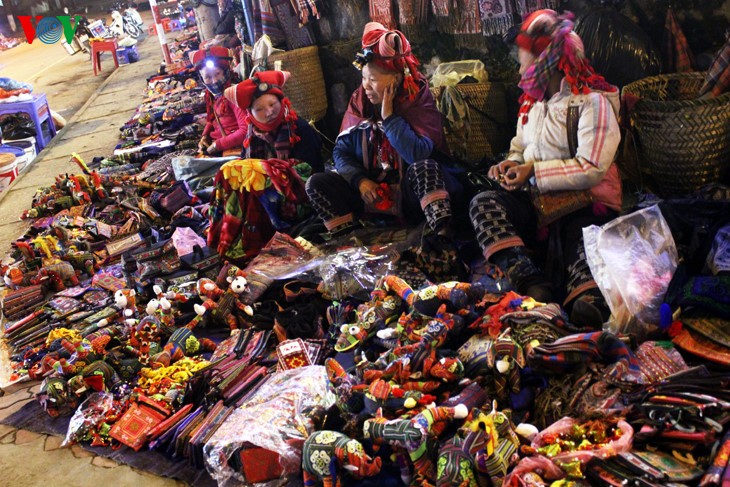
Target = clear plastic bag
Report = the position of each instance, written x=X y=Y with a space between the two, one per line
x=450 y=74
x=566 y=425
x=718 y=260
x=355 y=271
x=274 y=418
x=185 y=239
x=632 y=259
x=89 y=415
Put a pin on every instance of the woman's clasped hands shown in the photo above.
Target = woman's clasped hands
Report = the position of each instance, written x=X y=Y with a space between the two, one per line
x=511 y=175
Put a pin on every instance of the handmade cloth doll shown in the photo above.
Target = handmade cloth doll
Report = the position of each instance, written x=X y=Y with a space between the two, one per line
x=224 y=306
x=412 y=436
x=327 y=454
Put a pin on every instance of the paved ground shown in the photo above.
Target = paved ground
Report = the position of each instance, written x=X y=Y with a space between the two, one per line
x=67 y=80
x=26 y=458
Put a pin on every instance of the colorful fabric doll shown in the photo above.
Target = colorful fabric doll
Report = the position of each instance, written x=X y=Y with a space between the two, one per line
x=224 y=306
x=412 y=436
x=328 y=453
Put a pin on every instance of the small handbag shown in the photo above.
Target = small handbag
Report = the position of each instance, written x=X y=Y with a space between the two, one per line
x=554 y=205
x=133 y=427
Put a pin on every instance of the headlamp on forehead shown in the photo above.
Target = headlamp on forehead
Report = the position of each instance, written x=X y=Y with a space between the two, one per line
x=209 y=63
x=362 y=58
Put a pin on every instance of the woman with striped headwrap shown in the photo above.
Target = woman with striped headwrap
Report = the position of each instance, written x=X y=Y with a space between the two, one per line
x=567 y=137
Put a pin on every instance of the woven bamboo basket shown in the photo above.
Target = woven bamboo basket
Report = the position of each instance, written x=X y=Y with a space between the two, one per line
x=683 y=142
x=305 y=89
x=488 y=122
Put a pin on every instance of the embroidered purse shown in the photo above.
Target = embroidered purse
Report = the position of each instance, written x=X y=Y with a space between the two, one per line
x=554 y=205
x=133 y=427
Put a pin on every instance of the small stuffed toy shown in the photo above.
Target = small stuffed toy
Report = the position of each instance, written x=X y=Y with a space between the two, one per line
x=412 y=436
x=182 y=343
x=56 y=398
x=427 y=301
x=371 y=317
x=124 y=299
x=225 y=306
x=506 y=358
x=327 y=453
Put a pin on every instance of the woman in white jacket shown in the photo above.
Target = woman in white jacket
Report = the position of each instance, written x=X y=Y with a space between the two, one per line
x=553 y=151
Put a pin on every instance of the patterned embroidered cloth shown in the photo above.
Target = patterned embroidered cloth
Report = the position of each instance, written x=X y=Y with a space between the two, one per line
x=717 y=81
x=677 y=54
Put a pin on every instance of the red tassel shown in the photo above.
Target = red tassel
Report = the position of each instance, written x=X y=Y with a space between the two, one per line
x=410 y=86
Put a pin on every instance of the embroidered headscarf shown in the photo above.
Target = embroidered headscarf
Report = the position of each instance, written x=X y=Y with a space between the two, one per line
x=391 y=51
x=266 y=83
x=550 y=37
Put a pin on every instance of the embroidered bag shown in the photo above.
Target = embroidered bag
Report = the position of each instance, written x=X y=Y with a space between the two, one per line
x=133 y=427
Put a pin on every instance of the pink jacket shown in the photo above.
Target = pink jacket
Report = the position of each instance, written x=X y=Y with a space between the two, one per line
x=233 y=122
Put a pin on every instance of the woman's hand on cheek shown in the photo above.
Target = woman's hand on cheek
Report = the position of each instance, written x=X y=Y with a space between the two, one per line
x=386 y=108
x=517 y=176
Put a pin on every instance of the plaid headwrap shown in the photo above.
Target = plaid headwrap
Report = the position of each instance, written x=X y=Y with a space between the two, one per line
x=717 y=80
x=558 y=47
x=677 y=54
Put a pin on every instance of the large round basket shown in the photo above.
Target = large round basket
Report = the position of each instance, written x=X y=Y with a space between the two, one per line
x=305 y=89
x=489 y=126
x=683 y=142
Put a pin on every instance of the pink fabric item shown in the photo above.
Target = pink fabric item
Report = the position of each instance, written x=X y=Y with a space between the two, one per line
x=233 y=120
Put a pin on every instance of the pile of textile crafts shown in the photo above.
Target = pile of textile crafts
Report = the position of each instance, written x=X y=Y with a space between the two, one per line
x=316 y=364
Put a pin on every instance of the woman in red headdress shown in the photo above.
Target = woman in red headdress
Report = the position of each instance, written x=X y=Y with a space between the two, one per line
x=224 y=129
x=272 y=129
x=391 y=141
x=567 y=137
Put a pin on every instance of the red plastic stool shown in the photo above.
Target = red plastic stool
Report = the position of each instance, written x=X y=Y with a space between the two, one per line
x=166 y=25
x=97 y=47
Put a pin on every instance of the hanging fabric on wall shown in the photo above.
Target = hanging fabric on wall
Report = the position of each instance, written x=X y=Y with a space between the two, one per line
x=306 y=10
x=413 y=18
x=526 y=7
x=497 y=16
x=296 y=35
x=269 y=24
x=467 y=19
x=677 y=54
x=442 y=8
x=382 y=11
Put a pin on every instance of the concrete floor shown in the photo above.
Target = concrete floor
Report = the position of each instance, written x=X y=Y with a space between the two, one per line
x=98 y=107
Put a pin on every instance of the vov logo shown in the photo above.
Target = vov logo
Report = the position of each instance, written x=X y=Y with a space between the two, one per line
x=49 y=29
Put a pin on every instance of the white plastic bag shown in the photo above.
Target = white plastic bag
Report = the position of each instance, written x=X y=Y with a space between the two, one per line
x=450 y=74
x=632 y=259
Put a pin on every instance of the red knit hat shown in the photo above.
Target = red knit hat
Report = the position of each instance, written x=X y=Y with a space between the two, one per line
x=535 y=31
x=264 y=82
x=219 y=56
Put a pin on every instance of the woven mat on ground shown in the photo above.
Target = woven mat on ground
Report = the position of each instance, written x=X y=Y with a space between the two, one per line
x=32 y=418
